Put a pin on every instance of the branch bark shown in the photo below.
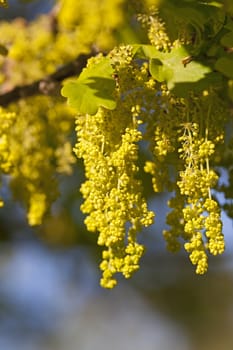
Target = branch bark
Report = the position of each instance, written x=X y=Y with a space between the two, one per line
x=48 y=85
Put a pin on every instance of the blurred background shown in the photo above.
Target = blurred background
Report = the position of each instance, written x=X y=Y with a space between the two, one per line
x=50 y=296
x=49 y=281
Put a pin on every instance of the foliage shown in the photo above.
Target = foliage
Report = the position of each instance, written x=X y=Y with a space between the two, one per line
x=93 y=88
x=160 y=82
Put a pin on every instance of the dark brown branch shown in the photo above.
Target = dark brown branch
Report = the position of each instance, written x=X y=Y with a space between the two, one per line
x=48 y=85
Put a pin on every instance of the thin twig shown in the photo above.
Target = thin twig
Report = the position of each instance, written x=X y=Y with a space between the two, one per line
x=48 y=85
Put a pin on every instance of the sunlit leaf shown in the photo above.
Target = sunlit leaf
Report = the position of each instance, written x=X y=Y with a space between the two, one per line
x=92 y=89
x=145 y=51
x=177 y=67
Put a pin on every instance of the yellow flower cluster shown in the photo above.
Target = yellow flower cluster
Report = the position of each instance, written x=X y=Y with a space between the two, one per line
x=175 y=221
x=108 y=144
x=196 y=215
x=93 y=24
x=156 y=30
x=182 y=143
x=36 y=141
x=182 y=134
x=43 y=45
x=6 y=121
x=162 y=138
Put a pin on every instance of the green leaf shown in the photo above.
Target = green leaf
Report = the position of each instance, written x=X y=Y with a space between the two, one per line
x=229 y=24
x=198 y=14
x=145 y=51
x=93 y=88
x=227 y=40
x=160 y=71
x=178 y=68
x=225 y=66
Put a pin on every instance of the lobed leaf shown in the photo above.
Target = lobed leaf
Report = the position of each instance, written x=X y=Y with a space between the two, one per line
x=94 y=88
x=178 y=68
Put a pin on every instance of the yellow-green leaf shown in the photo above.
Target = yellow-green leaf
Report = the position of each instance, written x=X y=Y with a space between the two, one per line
x=94 y=88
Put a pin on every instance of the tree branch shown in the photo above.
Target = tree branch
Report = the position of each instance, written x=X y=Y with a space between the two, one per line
x=48 y=85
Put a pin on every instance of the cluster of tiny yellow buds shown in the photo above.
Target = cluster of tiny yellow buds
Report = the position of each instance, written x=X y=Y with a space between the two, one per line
x=161 y=136
x=213 y=225
x=135 y=110
x=206 y=149
x=37 y=208
x=37 y=150
x=6 y=122
x=5 y=156
x=163 y=144
x=195 y=216
x=176 y=222
x=203 y=219
x=156 y=30
x=197 y=252
x=157 y=34
x=195 y=183
x=120 y=259
x=75 y=34
x=112 y=193
x=201 y=213
x=199 y=258
x=151 y=83
x=189 y=142
x=121 y=56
